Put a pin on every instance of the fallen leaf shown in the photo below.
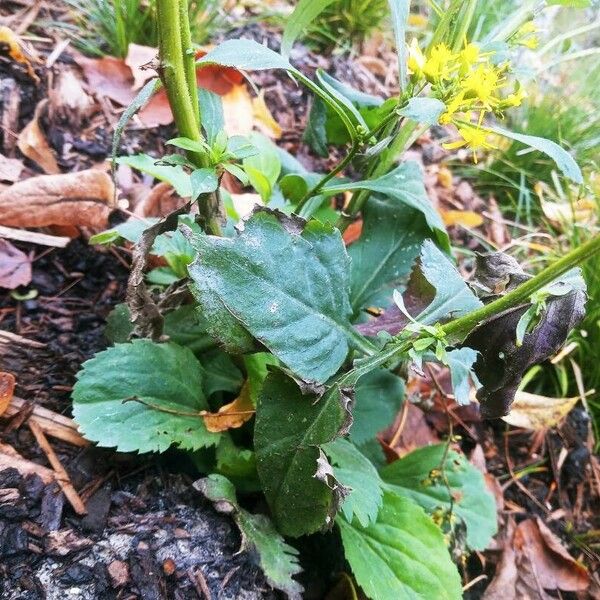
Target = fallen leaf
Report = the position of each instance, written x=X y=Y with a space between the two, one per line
x=108 y=77
x=10 y=169
x=159 y=201
x=7 y=388
x=157 y=112
x=535 y=412
x=582 y=211
x=244 y=203
x=466 y=218
x=238 y=111
x=139 y=59
x=263 y=118
x=217 y=79
x=11 y=45
x=232 y=415
x=33 y=144
x=69 y=102
x=352 y=232
x=82 y=199
x=496 y=227
x=15 y=267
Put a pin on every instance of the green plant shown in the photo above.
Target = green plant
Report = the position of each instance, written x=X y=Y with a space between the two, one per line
x=262 y=386
x=109 y=26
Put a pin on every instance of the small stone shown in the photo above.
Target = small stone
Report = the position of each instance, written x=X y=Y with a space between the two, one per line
x=118 y=571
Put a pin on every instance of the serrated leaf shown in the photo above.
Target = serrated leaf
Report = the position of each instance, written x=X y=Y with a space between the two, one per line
x=564 y=161
x=203 y=181
x=290 y=427
x=172 y=174
x=384 y=254
x=423 y=110
x=378 y=398
x=142 y=397
x=278 y=561
x=402 y=556
x=285 y=281
x=435 y=273
x=471 y=500
x=355 y=471
x=404 y=185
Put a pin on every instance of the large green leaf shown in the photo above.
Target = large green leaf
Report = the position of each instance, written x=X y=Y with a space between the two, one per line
x=142 y=396
x=382 y=258
x=289 y=430
x=423 y=110
x=435 y=273
x=564 y=161
x=404 y=185
x=278 y=560
x=285 y=281
x=172 y=174
x=402 y=556
x=246 y=55
x=355 y=471
x=304 y=14
x=378 y=398
x=471 y=501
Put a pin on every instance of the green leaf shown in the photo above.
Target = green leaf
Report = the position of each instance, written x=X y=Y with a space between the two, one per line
x=257 y=369
x=237 y=464
x=564 y=161
x=453 y=297
x=402 y=556
x=211 y=109
x=278 y=561
x=404 y=185
x=265 y=163
x=355 y=471
x=246 y=55
x=471 y=500
x=172 y=174
x=315 y=134
x=259 y=182
x=384 y=254
x=423 y=110
x=285 y=281
x=187 y=144
x=203 y=181
x=241 y=147
x=219 y=373
x=304 y=14
x=163 y=377
x=400 y=10
x=570 y=3
x=378 y=398
x=460 y=361
x=290 y=427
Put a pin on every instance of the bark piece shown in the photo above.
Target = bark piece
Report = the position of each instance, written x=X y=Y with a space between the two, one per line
x=83 y=199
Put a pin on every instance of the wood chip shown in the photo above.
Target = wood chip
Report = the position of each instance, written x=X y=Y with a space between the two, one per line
x=10 y=458
x=33 y=237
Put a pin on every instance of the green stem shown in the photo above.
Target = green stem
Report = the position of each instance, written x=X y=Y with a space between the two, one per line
x=462 y=28
x=522 y=294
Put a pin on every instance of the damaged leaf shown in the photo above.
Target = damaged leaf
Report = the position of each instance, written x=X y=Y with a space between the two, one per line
x=502 y=363
x=7 y=388
x=290 y=428
x=232 y=415
x=278 y=561
x=15 y=266
x=535 y=412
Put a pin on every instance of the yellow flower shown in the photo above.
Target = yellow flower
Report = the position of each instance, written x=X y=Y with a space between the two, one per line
x=473 y=138
x=440 y=64
x=416 y=58
x=415 y=20
x=516 y=98
x=531 y=42
x=468 y=56
x=452 y=108
x=482 y=83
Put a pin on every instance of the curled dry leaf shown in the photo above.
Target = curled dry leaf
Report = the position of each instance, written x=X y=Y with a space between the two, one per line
x=159 y=201
x=232 y=415
x=10 y=169
x=15 y=266
x=535 y=412
x=15 y=50
x=33 y=144
x=7 y=388
x=533 y=562
x=264 y=119
x=82 y=199
x=108 y=77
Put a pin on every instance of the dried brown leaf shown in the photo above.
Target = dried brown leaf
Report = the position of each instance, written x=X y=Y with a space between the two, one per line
x=536 y=412
x=10 y=169
x=232 y=415
x=82 y=199
x=33 y=144
x=139 y=59
x=15 y=266
x=12 y=46
x=108 y=77
x=7 y=388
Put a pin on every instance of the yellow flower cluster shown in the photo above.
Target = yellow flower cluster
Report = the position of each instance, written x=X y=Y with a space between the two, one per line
x=469 y=84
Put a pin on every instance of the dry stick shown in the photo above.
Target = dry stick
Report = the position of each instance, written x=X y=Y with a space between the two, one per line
x=199 y=582
x=62 y=476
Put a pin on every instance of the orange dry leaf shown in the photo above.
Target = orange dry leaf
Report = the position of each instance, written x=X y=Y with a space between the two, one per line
x=33 y=143
x=466 y=218
x=352 y=232
x=232 y=415
x=82 y=199
x=264 y=119
x=9 y=41
x=7 y=388
x=238 y=111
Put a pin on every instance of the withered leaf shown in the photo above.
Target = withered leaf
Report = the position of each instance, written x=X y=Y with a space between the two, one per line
x=232 y=415
x=33 y=144
x=15 y=266
x=7 y=388
x=502 y=364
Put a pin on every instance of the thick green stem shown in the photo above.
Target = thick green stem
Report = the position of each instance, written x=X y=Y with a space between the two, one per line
x=522 y=294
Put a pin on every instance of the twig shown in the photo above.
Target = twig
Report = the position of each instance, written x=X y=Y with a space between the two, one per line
x=62 y=476
x=199 y=583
